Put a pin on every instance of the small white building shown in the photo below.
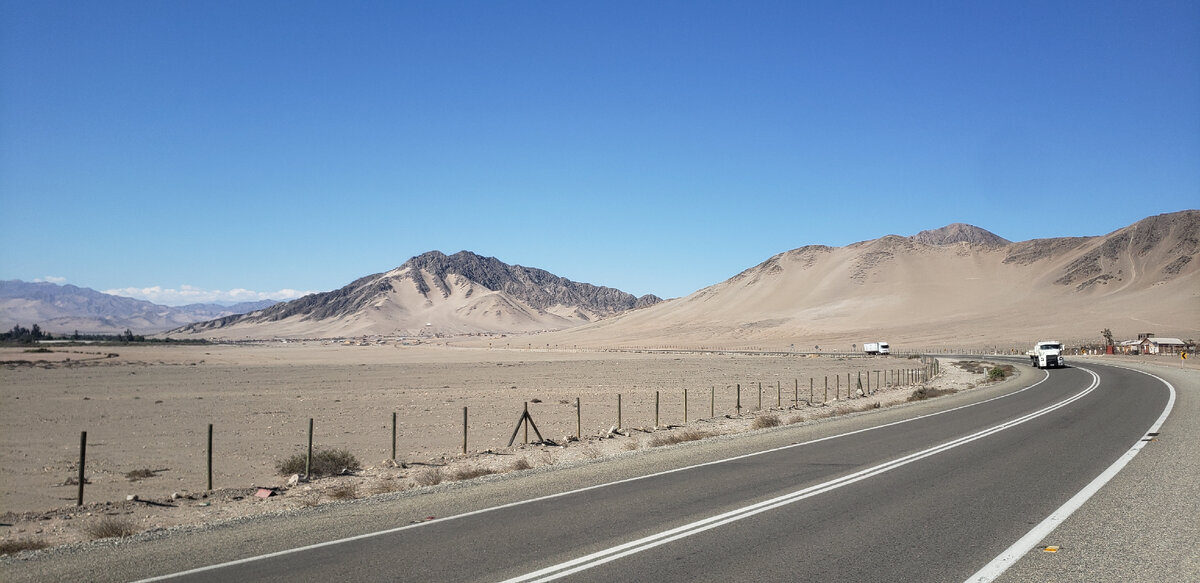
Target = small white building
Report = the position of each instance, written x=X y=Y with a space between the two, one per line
x=1161 y=345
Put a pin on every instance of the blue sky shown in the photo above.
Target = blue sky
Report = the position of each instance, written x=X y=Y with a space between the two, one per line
x=198 y=148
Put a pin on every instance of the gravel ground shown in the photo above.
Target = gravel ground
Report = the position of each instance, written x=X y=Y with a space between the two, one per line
x=258 y=528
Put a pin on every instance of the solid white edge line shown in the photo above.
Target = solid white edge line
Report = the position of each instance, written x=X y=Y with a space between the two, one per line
x=1026 y=543
x=636 y=546
x=245 y=560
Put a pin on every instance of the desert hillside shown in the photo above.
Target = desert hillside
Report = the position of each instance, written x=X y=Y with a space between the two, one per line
x=432 y=294
x=956 y=286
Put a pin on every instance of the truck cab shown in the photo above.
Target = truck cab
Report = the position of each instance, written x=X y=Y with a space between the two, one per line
x=1047 y=354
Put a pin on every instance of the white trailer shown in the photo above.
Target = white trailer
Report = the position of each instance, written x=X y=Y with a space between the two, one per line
x=876 y=348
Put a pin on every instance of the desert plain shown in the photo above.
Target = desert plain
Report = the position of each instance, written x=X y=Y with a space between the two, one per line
x=146 y=409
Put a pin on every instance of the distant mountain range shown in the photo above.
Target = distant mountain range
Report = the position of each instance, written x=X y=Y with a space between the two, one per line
x=957 y=285
x=434 y=293
x=63 y=309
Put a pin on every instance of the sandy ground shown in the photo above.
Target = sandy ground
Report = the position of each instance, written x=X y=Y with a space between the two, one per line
x=148 y=408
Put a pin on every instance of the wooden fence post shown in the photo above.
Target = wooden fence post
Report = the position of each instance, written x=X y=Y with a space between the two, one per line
x=308 y=458
x=210 y=456
x=464 y=430
x=82 y=461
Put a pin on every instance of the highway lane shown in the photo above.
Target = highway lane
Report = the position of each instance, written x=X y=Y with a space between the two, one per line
x=940 y=517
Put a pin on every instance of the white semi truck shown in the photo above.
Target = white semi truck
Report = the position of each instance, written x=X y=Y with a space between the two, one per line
x=876 y=348
x=1047 y=354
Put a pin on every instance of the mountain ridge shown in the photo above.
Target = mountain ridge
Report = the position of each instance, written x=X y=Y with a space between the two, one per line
x=952 y=289
x=465 y=293
x=67 y=308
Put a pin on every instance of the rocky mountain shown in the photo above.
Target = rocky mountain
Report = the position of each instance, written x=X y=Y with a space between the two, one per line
x=434 y=293
x=960 y=233
x=957 y=286
x=63 y=309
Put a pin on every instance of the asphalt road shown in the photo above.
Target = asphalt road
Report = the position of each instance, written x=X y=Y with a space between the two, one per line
x=927 y=492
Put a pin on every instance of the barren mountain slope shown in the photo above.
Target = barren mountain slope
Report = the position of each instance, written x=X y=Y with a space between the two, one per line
x=1140 y=278
x=433 y=293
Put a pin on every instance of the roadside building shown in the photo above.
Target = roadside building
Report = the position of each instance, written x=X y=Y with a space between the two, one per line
x=1161 y=345
x=1128 y=347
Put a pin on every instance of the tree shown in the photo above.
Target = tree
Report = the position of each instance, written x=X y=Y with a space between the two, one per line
x=1107 y=334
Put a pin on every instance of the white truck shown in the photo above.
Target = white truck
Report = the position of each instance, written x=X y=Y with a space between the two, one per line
x=1047 y=354
x=876 y=348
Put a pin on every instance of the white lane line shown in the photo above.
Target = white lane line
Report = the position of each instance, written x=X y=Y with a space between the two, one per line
x=1026 y=543
x=611 y=554
x=571 y=492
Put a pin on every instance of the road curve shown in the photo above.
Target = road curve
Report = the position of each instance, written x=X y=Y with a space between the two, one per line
x=915 y=493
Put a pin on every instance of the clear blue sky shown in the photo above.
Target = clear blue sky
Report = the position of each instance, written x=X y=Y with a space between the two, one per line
x=655 y=147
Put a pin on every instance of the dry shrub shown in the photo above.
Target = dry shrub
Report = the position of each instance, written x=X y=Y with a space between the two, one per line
x=386 y=485
x=312 y=498
x=325 y=462
x=142 y=474
x=632 y=444
x=111 y=527
x=346 y=491
x=1000 y=372
x=764 y=421
x=428 y=477
x=522 y=464
x=12 y=547
x=678 y=437
x=929 y=392
x=471 y=473
x=591 y=452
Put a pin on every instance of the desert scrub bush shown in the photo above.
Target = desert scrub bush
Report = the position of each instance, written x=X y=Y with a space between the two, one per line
x=428 y=477
x=764 y=421
x=12 y=547
x=470 y=473
x=678 y=437
x=141 y=474
x=522 y=464
x=325 y=462
x=386 y=485
x=111 y=527
x=347 y=491
x=1000 y=372
x=929 y=392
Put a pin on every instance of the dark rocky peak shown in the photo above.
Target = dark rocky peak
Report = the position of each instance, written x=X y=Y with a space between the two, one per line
x=536 y=287
x=960 y=233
